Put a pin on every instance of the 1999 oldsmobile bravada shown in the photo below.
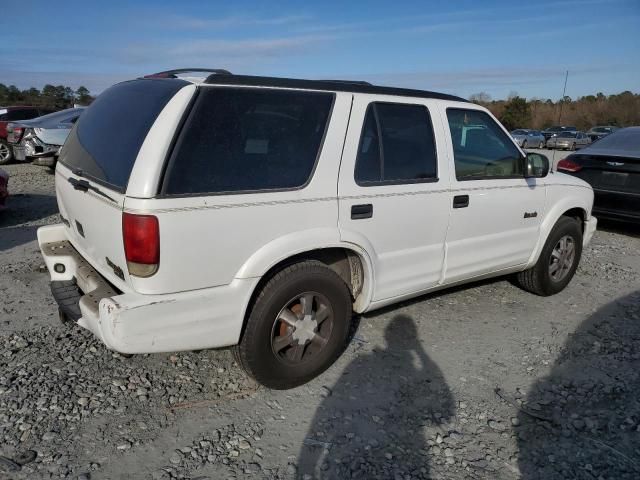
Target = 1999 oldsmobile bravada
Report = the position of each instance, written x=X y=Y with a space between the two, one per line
x=262 y=212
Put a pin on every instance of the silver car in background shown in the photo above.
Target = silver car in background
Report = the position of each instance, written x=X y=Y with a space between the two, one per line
x=39 y=140
x=526 y=138
x=569 y=141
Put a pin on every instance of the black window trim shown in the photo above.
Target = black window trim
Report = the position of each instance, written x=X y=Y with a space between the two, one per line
x=178 y=137
x=483 y=177
x=382 y=183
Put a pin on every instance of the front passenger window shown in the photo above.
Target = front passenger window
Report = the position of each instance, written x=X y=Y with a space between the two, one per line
x=481 y=148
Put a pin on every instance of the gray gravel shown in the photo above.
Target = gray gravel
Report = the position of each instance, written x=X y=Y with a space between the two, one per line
x=480 y=382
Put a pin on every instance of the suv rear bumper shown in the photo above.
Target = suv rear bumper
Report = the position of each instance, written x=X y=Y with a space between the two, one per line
x=135 y=323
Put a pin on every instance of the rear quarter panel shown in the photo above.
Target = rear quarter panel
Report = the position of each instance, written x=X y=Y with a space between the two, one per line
x=207 y=241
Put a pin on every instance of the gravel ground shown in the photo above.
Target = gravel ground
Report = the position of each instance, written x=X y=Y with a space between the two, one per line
x=480 y=382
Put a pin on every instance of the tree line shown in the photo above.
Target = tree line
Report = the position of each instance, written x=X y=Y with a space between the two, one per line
x=622 y=110
x=51 y=96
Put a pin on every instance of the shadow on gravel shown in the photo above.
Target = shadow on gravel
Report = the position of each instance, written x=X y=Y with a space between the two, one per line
x=26 y=208
x=621 y=228
x=392 y=393
x=583 y=420
x=12 y=237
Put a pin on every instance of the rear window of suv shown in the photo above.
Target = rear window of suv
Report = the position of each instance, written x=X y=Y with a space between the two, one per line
x=106 y=139
x=246 y=139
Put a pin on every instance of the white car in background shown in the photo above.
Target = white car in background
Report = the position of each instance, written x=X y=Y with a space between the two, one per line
x=262 y=212
x=40 y=139
x=528 y=138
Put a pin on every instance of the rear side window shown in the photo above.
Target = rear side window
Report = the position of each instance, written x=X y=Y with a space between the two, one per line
x=396 y=146
x=105 y=141
x=242 y=139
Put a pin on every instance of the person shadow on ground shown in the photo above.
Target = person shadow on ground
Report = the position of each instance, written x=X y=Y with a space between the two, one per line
x=372 y=424
x=582 y=421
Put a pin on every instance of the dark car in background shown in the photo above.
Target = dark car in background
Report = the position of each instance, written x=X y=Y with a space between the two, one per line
x=612 y=167
x=596 y=133
x=12 y=114
x=40 y=139
x=555 y=130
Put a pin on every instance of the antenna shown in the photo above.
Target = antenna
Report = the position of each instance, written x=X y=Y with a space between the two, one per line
x=564 y=90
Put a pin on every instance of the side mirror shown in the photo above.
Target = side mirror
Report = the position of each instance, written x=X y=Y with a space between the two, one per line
x=536 y=165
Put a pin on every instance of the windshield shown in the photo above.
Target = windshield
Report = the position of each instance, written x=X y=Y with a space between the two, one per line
x=554 y=129
x=567 y=135
x=105 y=142
x=519 y=132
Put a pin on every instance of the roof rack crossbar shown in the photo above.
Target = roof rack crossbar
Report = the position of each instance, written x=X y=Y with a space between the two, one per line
x=173 y=73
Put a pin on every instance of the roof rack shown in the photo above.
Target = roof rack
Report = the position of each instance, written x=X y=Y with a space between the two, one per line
x=325 y=85
x=174 y=73
x=348 y=82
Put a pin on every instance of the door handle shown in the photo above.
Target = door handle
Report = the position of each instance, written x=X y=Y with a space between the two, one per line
x=461 y=201
x=359 y=212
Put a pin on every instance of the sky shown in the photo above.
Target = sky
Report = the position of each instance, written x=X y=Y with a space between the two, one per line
x=460 y=47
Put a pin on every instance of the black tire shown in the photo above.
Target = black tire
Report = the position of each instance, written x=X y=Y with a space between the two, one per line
x=7 y=155
x=538 y=278
x=256 y=353
x=573 y=146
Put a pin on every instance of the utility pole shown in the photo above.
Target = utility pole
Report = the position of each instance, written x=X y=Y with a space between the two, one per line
x=564 y=91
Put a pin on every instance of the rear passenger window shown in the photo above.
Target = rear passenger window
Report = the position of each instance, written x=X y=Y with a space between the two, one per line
x=241 y=139
x=481 y=149
x=396 y=146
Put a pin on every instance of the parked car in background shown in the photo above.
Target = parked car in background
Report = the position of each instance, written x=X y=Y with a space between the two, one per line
x=4 y=188
x=326 y=197
x=569 y=141
x=12 y=114
x=40 y=139
x=596 y=133
x=555 y=130
x=528 y=138
x=612 y=167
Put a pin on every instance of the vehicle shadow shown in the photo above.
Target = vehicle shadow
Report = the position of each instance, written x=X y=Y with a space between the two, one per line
x=583 y=419
x=397 y=391
x=621 y=228
x=23 y=210
x=13 y=237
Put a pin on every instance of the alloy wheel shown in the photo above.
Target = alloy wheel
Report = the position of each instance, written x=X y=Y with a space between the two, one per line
x=302 y=328
x=5 y=153
x=562 y=258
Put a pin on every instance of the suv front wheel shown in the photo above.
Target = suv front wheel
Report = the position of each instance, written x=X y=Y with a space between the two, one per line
x=297 y=327
x=558 y=260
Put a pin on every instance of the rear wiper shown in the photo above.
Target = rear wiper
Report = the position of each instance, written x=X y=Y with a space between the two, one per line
x=84 y=186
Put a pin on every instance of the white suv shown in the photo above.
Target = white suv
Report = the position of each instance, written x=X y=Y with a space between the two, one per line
x=262 y=212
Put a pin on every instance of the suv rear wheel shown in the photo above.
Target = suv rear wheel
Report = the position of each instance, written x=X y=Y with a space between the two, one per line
x=297 y=327
x=558 y=260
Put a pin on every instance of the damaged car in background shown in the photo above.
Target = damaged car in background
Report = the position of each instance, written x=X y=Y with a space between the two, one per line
x=40 y=139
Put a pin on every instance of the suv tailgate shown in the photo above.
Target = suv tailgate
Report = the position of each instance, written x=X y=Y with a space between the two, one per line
x=94 y=224
x=95 y=164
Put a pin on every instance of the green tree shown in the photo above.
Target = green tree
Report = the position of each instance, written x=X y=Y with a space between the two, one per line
x=83 y=96
x=516 y=113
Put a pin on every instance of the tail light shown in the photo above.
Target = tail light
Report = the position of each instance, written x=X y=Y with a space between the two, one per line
x=141 y=235
x=14 y=133
x=569 y=165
